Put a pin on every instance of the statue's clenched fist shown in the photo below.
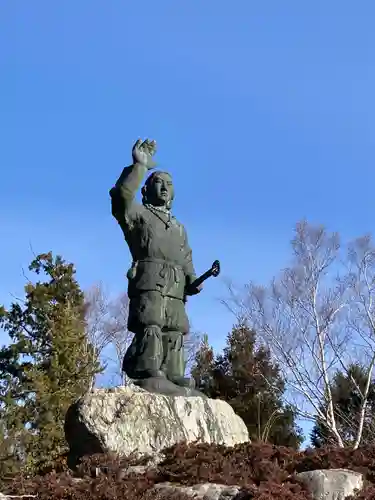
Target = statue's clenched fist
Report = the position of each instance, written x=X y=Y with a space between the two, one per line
x=143 y=151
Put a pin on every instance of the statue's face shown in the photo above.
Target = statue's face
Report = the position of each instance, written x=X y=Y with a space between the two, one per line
x=161 y=190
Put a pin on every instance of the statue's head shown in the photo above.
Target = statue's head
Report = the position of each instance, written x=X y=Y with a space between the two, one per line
x=158 y=190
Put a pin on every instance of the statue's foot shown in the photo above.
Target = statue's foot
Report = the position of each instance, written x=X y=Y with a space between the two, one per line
x=155 y=374
x=141 y=375
x=183 y=382
x=160 y=385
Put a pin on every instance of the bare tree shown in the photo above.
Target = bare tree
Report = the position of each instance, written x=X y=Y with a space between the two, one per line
x=360 y=279
x=317 y=317
x=117 y=329
x=96 y=315
x=191 y=344
x=106 y=320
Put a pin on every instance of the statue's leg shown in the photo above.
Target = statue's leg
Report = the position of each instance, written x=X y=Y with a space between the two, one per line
x=173 y=359
x=177 y=325
x=144 y=356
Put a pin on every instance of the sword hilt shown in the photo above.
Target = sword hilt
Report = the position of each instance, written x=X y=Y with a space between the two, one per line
x=213 y=271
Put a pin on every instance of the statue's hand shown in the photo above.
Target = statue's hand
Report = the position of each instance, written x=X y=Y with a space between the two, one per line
x=143 y=152
x=194 y=290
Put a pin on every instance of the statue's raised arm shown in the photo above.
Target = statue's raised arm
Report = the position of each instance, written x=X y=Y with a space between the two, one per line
x=124 y=206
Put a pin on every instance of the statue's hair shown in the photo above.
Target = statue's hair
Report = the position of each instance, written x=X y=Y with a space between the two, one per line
x=150 y=179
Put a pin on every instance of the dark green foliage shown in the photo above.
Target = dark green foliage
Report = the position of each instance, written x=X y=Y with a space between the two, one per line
x=48 y=364
x=245 y=376
x=203 y=367
x=347 y=402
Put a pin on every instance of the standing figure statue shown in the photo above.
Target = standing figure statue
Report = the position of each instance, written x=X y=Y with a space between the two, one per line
x=162 y=273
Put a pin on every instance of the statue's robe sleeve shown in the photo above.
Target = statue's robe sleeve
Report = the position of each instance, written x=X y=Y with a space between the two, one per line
x=124 y=207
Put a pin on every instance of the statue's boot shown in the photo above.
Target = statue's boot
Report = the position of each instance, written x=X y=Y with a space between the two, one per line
x=183 y=381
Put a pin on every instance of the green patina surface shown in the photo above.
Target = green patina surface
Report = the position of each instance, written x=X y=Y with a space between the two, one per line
x=161 y=272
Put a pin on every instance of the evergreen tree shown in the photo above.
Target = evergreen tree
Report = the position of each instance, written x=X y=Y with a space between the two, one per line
x=347 y=402
x=49 y=362
x=203 y=366
x=245 y=377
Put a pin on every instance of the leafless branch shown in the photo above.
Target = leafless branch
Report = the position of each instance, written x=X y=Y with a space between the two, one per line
x=106 y=320
x=313 y=317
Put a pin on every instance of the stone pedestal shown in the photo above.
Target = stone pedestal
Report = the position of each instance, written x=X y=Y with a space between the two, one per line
x=331 y=484
x=127 y=420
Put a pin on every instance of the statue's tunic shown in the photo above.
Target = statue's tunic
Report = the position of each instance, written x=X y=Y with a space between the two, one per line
x=162 y=259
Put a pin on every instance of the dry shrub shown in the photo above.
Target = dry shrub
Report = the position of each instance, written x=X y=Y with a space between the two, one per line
x=242 y=465
x=66 y=487
x=58 y=465
x=368 y=493
x=264 y=472
x=110 y=464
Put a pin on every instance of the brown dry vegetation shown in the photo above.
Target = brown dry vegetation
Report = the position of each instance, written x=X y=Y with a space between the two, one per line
x=264 y=472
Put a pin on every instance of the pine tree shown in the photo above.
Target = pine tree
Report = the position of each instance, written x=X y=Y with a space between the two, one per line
x=203 y=366
x=347 y=404
x=49 y=362
x=243 y=375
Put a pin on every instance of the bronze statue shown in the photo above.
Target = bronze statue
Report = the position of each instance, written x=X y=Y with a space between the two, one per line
x=162 y=274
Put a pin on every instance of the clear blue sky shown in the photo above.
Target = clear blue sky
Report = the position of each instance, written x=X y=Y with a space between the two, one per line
x=264 y=113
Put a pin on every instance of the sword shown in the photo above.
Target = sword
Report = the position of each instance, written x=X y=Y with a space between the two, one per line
x=213 y=271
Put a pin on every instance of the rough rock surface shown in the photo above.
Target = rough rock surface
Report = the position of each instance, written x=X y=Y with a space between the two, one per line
x=127 y=420
x=17 y=497
x=332 y=484
x=204 y=491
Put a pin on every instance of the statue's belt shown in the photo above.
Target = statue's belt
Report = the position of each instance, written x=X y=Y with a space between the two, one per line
x=166 y=266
